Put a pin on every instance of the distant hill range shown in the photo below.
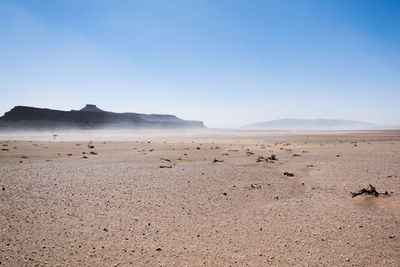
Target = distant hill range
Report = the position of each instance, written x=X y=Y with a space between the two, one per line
x=87 y=118
x=318 y=124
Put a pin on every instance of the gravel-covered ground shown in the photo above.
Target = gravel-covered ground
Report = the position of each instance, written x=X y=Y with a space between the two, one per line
x=164 y=200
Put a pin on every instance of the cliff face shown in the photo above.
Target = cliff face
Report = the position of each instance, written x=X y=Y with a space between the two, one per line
x=89 y=117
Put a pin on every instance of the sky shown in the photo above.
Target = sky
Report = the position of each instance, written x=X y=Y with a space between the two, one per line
x=227 y=62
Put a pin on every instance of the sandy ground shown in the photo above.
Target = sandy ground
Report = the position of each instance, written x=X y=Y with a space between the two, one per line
x=120 y=208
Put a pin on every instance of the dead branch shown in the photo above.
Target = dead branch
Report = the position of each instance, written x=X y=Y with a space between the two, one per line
x=370 y=191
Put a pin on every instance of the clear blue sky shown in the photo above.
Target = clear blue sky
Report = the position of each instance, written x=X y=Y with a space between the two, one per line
x=228 y=63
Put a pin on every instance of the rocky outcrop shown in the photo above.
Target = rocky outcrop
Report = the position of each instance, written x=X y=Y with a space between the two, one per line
x=89 y=117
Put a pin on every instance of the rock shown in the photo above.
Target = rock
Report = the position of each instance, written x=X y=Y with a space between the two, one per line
x=258 y=186
x=289 y=174
x=273 y=157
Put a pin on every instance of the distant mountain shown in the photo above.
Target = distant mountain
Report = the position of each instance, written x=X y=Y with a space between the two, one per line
x=87 y=118
x=318 y=124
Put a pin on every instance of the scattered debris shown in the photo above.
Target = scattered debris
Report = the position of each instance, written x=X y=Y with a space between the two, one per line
x=289 y=174
x=370 y=191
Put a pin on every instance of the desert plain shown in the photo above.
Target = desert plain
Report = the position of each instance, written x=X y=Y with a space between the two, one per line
x=200 y=199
